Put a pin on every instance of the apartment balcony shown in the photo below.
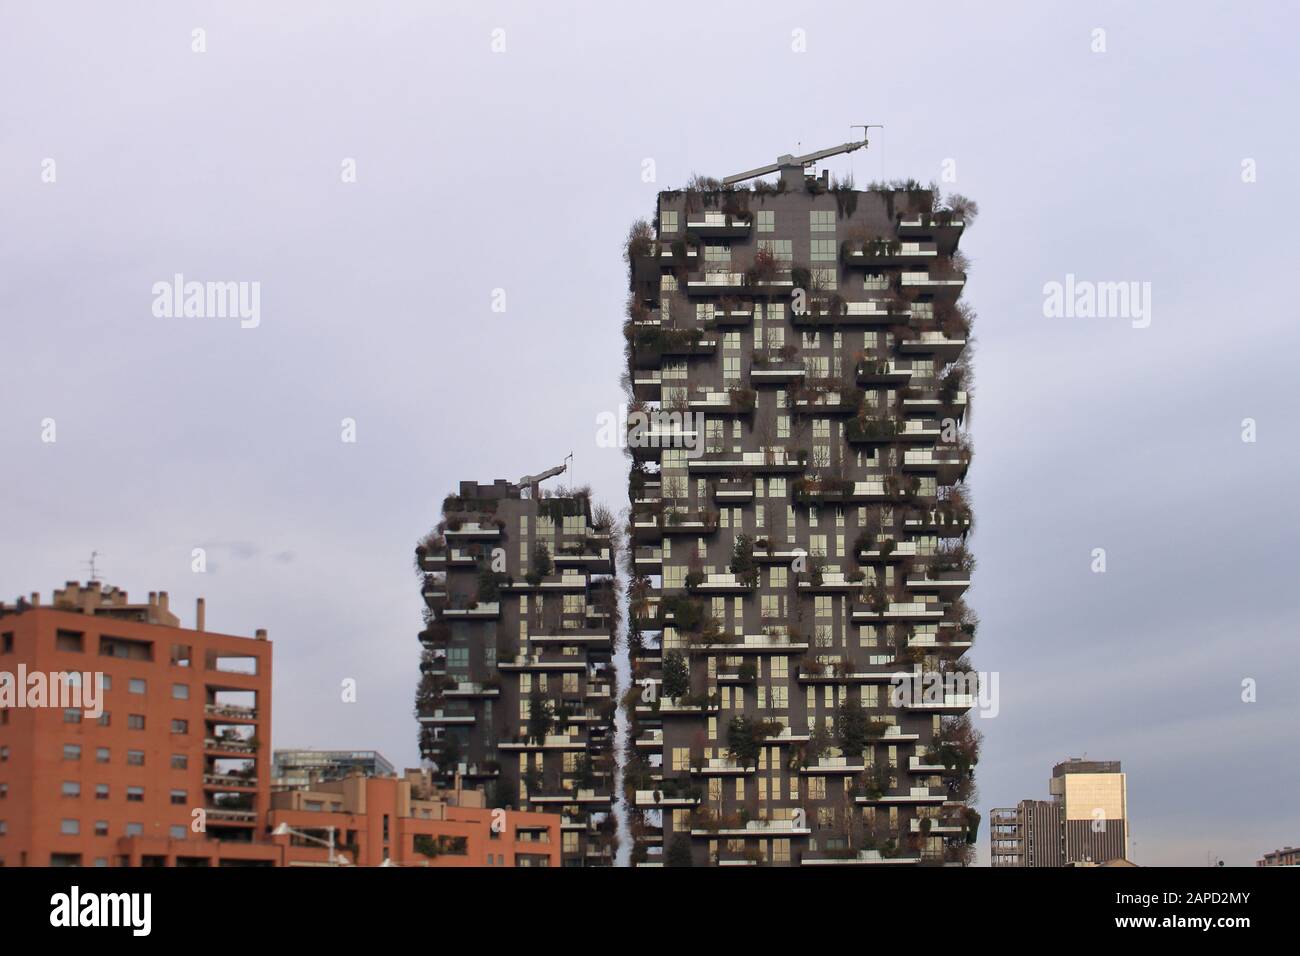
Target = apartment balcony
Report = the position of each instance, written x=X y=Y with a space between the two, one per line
x=919 y=796
x=937 y=827
x=677 y=521
x=549 y=742
x=461 y=558
x=922 y=765
x=755 y=644
x=936 y=406
x=764 y=829
x=943 y=228
x=647 y=384
x=909 y=611
x=833 y=766
x=947 y=582
x=948 y=703
x=890 y=254
x=721 y=767
x=937 y=344
x=949 y=463
x=583 y=797
x=940 y=286
x=829 y=582
x=832 y=402
x=652 y=739
x=228 y=817
x=733 y=492
x=537 y=663
x=764 y=553
x=941 y=522
x=722 y=584
x=882 y=372
x=683 y=706
x=648 y=559
x=844 y=676
x=469 y=690
x=647 y=527
x=888 y=550
x=730 y=401
x=228 y=746
x=738 y=317
x=434 y=588
x=223 y=781
x=230 y=712
x=673 y=254
x=719 y=225
x=571 y=582
x=473 y=531
x=738 y=283
x=648 y=443
x=771 y=461
x=460 y=717
x=476 y=611
x=776 y=373
x=662 y=799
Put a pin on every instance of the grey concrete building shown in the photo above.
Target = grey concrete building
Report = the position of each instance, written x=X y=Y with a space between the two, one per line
x=797 y=372
x=1085 y=822
x=517 y=694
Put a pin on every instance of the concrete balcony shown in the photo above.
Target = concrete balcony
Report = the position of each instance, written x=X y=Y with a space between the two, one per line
x=726 y=492
x=949 y=703
x=933 y=343
x=774 y=460
x=910 y=611
x=756 y=644
x=719 y=225
x=448 y=718
x=831 y=582
x=228 y=745
x=230 y=712
x=915 y=795
x=536 y=662
x=722 y=584
x=765 y=829
x=549 y=742
x=469 y=690
x=833 y=766
x=220 y=781
x=472 y=530
x=860 y=858
x=648 y=559
x=777 y=373
x=941 y=287
x=721 y=767
x=888 y=253
x=882 y=372
x=481 y=611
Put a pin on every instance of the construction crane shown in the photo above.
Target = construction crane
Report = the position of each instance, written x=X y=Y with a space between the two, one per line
x=532 y=481
x=791 y=167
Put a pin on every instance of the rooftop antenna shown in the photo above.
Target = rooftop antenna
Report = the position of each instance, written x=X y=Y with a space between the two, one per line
x=94 y=571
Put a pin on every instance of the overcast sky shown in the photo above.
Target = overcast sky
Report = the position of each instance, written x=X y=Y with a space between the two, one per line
x=521 y=170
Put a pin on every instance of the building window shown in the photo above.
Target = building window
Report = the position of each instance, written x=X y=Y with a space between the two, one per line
x=135 y=758
x=136 y=685
x=177 y=831
x=135 y=794
x=70 y=827
x=6 y=642
x=105 y=719
x=823 y=250
x=668 y=221
x=72 y=641
x=178 y=797
x=71 y=751
x=766 y=220
x=135 y=829
x=101 y=791
x=135 y=721
x=780 y=249
x=180 y=691
x=72 y=716
x=102 y=755
x=71 y=788
x=180 y=762
x=180 y=726
x=821 y=220
x=101 y=828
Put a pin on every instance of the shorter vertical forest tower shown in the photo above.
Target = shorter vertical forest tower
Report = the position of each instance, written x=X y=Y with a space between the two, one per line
x=799 y=524
x=517 y=689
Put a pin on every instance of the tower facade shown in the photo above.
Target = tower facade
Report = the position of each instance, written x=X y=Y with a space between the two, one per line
x=517 y=691
x=798 y=379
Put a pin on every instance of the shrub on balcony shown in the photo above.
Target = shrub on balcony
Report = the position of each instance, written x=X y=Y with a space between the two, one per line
x=742 y=561
x=540 y=719
x=640 y=238
x=742 y=399
x=748 y=671
x=540 y=566
x=867 y=428
x=687 y=613
x=679 y=852
x=745 y=738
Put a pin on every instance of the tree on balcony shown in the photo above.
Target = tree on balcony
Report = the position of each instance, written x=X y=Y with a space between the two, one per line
x=677 y=677
x=541 y=717
x=540 y=566
x=679 y=852
x=852 y=728
x=743 y=565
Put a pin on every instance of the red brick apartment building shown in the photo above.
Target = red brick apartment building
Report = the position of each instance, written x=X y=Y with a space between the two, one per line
x=170 y=764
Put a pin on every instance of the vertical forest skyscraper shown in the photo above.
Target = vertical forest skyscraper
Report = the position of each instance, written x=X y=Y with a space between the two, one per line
x=799 y=380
